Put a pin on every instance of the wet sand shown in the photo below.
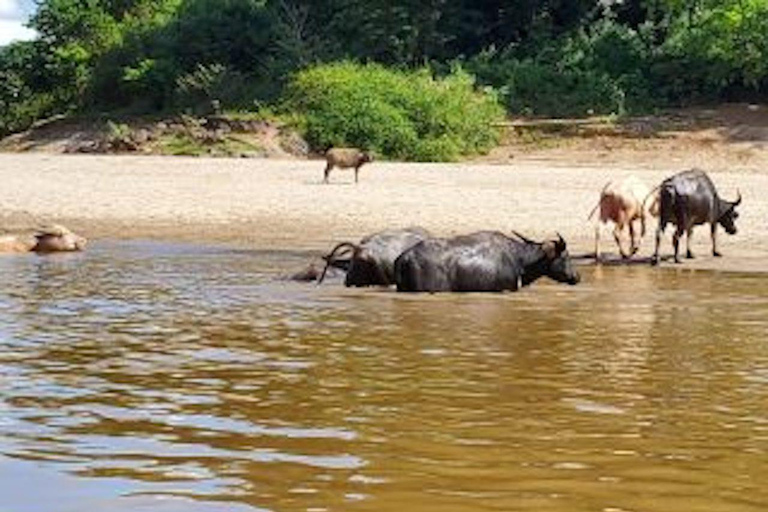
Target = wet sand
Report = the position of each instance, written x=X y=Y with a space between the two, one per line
x=283 y=204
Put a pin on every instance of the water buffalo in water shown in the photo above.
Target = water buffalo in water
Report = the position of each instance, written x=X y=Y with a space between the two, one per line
x=486 y=261
x=623 y=203
x=53 y=238
x=372 y=261
x=688 y=199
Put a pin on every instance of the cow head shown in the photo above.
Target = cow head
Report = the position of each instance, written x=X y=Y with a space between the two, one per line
x=729 y=215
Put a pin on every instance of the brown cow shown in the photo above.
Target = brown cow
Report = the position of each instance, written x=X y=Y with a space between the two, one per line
x=345 y=158
x=623 y=203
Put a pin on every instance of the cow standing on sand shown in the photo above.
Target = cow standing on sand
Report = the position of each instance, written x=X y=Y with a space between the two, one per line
x=688 y=199
x=372 y=261
x=487 y=261
x=623 y=203
x=345 y=158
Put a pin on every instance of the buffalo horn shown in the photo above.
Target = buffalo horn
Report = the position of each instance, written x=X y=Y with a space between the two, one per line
x=560 y=243
x=523 y=238
x=738 y=200
x=331 y=257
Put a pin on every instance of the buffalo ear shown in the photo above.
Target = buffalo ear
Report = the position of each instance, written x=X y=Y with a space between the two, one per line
x=550 y=249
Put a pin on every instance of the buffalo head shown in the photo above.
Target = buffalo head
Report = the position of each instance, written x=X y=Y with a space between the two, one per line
x=561 y=268
x=557 y=262
x=365 y=270
x=728 y=217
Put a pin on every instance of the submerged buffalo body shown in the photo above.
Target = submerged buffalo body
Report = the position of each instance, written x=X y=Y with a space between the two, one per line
x=481 y=262
x=372 y=261
x=688 y=199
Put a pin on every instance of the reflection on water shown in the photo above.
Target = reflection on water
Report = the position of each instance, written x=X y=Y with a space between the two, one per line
x=172 y=378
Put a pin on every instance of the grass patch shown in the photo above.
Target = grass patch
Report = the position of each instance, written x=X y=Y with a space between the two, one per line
x=183 y=144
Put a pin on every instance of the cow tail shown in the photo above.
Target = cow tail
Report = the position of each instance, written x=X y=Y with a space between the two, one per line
x=650 y=194
x=602 y=192
x=647 y=210
x=332 y=257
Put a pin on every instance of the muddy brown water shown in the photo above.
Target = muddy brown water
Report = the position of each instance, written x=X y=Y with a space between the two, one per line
x=143 y=376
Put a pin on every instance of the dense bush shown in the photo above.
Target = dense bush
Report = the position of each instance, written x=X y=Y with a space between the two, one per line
x=399 y=114
x=28 y=92
x=602 y=70
x=719 y=53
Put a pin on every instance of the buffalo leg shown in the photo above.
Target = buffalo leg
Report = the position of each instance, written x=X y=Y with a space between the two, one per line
x=681 y=223
x=676 y=243
x=328 y=168
x=688 y=252
x=357 y=170
x=715 y=252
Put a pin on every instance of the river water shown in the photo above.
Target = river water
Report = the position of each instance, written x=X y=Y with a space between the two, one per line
x=144 y=376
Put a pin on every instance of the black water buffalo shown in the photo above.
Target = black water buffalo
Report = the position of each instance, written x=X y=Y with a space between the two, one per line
x=688 y=199
x=372 y=261
x=486 y=261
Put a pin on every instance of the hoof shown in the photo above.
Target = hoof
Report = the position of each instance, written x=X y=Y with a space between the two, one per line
x=717 y=254
x=689 y=255
x=678 y=261
x=655 y=261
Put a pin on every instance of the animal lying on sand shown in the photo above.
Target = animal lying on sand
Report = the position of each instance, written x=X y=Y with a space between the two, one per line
x=49 y=239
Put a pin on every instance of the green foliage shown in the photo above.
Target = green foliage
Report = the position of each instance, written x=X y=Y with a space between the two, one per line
x=398 y=114
x=26 y=92
x=602 y=70
x=186 y=144
x=208 y=83
x=717 y=51
x=543 y=57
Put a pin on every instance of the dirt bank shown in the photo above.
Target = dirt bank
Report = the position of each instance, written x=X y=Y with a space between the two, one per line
x=283 y=204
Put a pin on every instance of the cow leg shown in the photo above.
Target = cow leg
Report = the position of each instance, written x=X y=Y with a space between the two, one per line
x=328 y=168
x=688 y=252
x=357 y=170
x=617 y=237
x=659 y=229
x=634 y=246
x=715 y=252
x=597 y=243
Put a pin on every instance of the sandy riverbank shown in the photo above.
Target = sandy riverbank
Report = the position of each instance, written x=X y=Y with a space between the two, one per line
x=283 y=204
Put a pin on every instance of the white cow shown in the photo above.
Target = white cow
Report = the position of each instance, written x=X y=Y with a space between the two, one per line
x=623 y=203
